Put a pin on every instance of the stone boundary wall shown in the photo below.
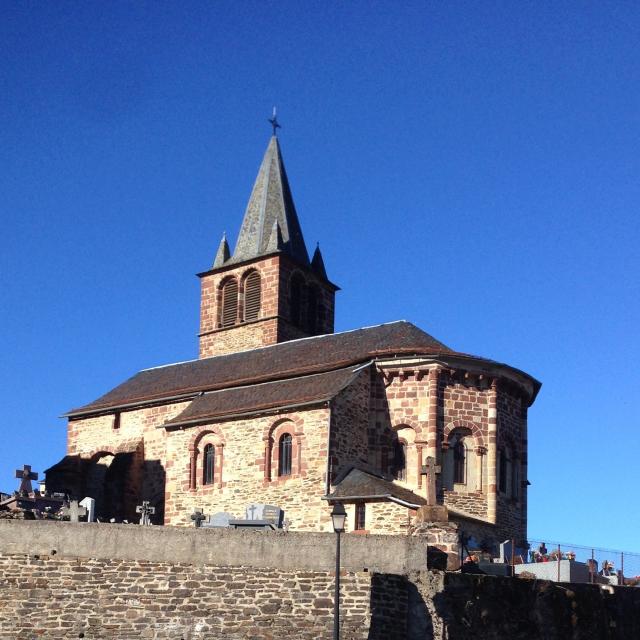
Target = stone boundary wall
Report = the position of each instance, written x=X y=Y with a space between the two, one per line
x=220 y=547
x=54 y=598
x=164 y=583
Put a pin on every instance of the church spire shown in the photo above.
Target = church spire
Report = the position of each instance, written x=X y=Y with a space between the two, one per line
x=270 y=203
x=223 y=253
x=317 y=263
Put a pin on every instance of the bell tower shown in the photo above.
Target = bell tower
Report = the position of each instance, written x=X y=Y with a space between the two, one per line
x=267 y=291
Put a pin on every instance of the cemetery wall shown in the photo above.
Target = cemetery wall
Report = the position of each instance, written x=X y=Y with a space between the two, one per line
x=63 y=580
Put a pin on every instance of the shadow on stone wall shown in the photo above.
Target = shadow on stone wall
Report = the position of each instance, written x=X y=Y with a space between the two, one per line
x=398 y=610
x=492 y=608
x=118 y=482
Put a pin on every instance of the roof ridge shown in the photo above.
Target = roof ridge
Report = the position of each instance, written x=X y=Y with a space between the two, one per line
x=271 y=346
x=305 y=338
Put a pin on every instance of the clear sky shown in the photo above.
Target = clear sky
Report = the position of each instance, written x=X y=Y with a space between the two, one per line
x=470 y=167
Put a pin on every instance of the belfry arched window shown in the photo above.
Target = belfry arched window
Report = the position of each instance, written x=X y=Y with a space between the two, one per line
x=252 y=296
x=284 y=454
x=296 y=286
x=229 y=314
x=312 y=309
x=208 y=464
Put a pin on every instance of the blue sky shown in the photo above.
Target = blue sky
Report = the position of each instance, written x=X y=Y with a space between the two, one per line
x=471 y=167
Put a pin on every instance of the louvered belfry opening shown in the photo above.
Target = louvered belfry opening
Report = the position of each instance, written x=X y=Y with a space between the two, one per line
x=229 y=303
x=252 y=296
x=312 y=310
x=295 y=298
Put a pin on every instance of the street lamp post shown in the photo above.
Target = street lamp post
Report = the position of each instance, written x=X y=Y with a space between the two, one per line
x=338 y=517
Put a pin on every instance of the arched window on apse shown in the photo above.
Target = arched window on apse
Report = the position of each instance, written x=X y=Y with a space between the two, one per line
x=463 y=462
x=209 y=464
x=296 y=286
x=515 y=477
x=229 y=313
x=400 y=460
x=459 y=462
x=312 y=309
x=284 y=455
x=252 y=296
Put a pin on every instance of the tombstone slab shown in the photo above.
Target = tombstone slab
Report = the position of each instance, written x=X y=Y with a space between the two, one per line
x=90 y=505
x=220 y=519
x=273 y=514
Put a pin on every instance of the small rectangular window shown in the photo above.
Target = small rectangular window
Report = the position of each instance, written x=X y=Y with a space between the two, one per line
x=360 y=523
x=116 y=420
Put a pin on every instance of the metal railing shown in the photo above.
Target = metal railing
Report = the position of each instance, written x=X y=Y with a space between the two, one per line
x=604 y=565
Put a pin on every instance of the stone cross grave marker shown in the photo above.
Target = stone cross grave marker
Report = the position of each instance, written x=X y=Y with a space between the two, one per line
x=430 y=469
x=74 y=511
x=25 y=475
x=198 y=517
x=145 y=510
x=90 y=505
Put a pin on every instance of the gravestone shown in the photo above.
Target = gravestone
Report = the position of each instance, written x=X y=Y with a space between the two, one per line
x=507 y=550
x=146 y=511
x=430 y=469
x=220 y=519
x=254 y=512
x=198 y=518
x=273 y=514
x=25 y=475
x=74 y=511
x=90 y=505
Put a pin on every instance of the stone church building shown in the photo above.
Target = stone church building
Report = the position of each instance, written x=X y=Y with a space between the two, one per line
x=281 y=410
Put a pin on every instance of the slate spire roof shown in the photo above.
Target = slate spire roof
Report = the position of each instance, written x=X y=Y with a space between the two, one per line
x=270 y=220
x=223 y=253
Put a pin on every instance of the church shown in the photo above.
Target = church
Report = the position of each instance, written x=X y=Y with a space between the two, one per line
x=279 y=409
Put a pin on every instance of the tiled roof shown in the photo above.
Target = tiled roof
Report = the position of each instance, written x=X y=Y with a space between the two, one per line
x=279 y=361
x=361 y=485
x=293 y=392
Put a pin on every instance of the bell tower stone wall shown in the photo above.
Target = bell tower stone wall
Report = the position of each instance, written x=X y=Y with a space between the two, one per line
x=274 y=322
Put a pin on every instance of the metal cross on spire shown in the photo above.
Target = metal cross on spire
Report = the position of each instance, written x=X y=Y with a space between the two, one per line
x=274 y=122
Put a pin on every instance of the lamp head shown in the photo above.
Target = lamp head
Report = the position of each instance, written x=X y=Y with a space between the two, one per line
x=338 y=517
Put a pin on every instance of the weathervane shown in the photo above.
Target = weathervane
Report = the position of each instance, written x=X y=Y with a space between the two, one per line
x=274 y=122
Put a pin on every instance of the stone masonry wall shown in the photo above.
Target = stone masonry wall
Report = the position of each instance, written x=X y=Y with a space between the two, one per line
x=91 y=599
x=349 y=422
x=511 y=509
x=101 y=581
x=466 y=405
x=247 y=471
